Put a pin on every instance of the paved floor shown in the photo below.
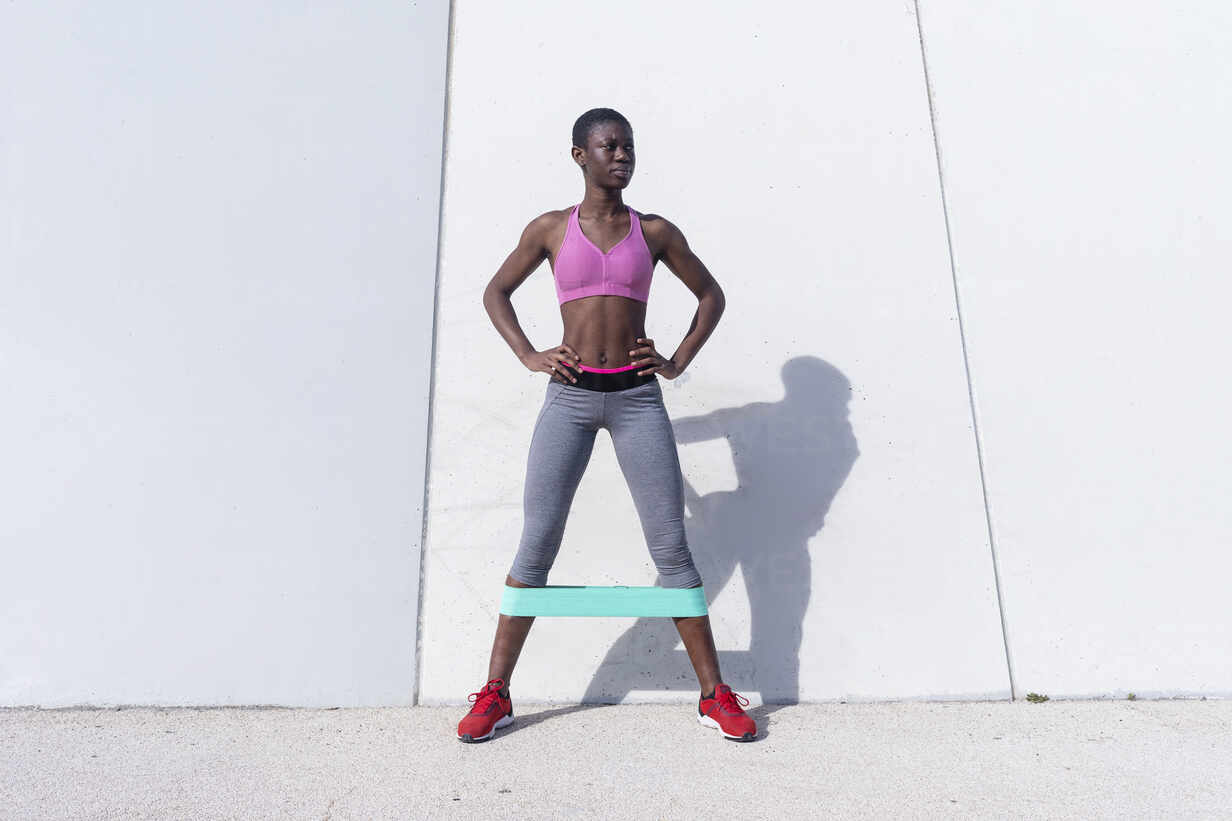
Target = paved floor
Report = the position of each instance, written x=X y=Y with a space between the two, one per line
x=1081 y=759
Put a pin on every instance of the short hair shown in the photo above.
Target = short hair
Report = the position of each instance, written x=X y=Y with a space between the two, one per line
x=596 y=117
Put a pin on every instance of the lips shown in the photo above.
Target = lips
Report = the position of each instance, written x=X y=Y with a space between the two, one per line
x=622 y=171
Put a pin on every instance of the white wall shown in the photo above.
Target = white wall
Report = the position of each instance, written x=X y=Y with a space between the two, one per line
x=218 y=265
x=825 y=427
x=1086 y=168
x=216 y=332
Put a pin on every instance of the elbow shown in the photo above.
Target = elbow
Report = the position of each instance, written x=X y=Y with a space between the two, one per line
x=493 y=294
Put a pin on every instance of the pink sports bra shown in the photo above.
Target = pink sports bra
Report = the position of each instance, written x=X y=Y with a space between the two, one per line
x=581 y=269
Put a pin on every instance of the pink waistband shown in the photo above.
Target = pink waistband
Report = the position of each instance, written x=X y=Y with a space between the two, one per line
x=608 y=370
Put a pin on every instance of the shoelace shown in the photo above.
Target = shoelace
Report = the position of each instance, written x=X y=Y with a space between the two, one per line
x=484 y=698
x=729 y=702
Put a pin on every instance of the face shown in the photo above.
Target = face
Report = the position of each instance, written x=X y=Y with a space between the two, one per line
x=608 y=158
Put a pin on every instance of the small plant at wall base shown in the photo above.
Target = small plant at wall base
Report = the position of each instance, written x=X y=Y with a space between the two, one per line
x=1036 y=698
x=1132 y=697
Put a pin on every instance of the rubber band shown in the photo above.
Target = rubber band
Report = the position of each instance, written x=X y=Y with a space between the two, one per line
x=617 y=600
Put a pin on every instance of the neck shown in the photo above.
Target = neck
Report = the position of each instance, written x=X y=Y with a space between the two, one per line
x=603 y=202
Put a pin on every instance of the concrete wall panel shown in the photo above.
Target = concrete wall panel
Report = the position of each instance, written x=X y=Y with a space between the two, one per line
x=1085 y=160
x=834 y=506
x=218 y=262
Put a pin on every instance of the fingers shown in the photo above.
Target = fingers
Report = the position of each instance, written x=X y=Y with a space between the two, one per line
x=560 y=367
x=646 y=355
x=647 y=349
x=570 y=356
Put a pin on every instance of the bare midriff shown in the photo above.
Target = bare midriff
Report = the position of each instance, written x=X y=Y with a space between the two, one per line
x=603 y=329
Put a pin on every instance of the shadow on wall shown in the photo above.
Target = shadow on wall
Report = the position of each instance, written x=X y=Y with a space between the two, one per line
x=791 y=458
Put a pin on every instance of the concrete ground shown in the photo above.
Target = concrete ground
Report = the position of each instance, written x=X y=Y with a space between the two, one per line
x=1078 y=759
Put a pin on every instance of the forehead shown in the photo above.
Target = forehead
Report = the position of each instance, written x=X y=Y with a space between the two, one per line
x=610 y=131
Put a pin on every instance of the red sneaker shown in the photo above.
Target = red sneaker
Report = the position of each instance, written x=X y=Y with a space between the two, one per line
x=724 y=712
x=491 y=710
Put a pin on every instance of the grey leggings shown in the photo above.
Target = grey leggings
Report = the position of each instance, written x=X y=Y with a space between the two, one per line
x=645 y=447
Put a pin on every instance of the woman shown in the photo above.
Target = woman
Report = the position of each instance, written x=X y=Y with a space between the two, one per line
x=604 y=374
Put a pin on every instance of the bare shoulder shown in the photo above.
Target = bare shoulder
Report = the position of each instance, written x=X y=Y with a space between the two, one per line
x=553 y=217
x=655 y=224
x=549 y=221
x=660 y=232
x=546 y=230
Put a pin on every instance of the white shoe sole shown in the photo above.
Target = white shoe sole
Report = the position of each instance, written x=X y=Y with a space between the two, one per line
x=707 y=721
x=504 y=721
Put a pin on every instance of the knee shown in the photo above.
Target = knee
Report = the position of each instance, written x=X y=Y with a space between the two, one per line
x=526 y=577
x=534 y=559
x=684 y=575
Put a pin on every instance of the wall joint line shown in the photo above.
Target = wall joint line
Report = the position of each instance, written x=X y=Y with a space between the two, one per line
x=436 y=302
x=962 y=335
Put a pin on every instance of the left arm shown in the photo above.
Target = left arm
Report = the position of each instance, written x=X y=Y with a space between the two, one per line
x=692 y=272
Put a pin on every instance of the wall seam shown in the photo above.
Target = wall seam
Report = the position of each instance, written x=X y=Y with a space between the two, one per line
x=436 y=289
x=962 y=336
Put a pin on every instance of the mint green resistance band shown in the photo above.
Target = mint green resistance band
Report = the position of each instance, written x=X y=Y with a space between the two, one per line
x=581 y=600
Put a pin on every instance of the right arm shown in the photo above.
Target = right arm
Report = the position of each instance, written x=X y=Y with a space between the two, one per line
x=529 y=254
